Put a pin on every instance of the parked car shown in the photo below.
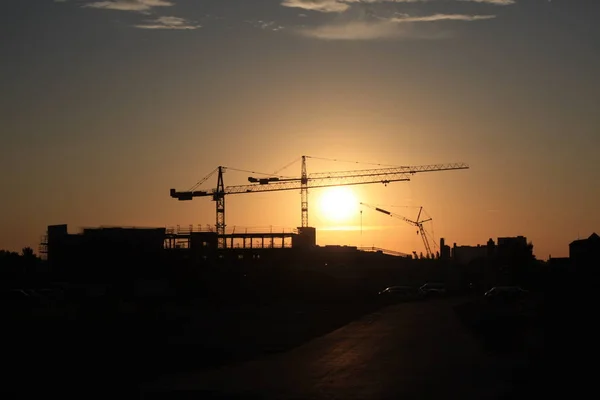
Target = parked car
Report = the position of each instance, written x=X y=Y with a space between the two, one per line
x=400 y=292
x=505 y=293
x=433 y=289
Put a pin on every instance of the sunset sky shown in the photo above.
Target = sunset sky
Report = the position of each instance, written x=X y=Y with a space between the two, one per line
x=106 y=105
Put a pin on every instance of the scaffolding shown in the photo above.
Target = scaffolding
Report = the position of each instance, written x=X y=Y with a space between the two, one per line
x=182 y=237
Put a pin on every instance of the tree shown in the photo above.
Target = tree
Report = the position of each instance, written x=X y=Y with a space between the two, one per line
x=27 y=253
x=421 y=256
x=437 y=255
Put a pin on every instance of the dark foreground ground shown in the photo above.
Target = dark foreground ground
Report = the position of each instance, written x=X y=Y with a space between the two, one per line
x=413 y=350
x=554 y=335
x=352 y=346
x=457 y=348
x=115 y=345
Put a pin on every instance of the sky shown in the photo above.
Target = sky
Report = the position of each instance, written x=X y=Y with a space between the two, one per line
x=106 y=105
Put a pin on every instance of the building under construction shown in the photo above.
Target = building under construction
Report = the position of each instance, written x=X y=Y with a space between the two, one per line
x=109 y=253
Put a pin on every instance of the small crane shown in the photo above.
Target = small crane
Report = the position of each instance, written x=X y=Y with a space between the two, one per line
x=418 y=223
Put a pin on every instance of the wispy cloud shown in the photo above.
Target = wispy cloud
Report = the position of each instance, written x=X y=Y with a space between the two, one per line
x=398 y=26
x=441 y=17
x=168 y=23
x=146 y=7
x=265 y=25
x=129 y=5
x=368 y=30
x=495 y=2
x=339 y=6
x=358 y=30
x=369 y=25
x=326 y=6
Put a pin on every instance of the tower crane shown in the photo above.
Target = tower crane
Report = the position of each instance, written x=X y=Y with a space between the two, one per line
x=418 y=223
x=303 y=183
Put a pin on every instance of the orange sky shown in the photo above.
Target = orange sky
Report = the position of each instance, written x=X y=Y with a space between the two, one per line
x=104 y=110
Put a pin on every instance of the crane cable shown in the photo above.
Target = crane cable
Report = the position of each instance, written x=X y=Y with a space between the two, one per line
x=287 y=166
x=276 y=173
x=201 y=181
x=257 y=173
x=354 y=162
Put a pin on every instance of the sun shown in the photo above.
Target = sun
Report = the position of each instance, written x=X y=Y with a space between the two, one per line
x=338 y=204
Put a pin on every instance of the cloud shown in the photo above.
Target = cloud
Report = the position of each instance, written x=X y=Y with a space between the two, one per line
x=399 y=26
x=339 y=6
x=266 y=25
x=357 y=30
x=327 y=6
x=168 y=23
x=385 y=1
x=441 y=17
x=129 y=5
x=336 y=6
x=495 y=2
x=373 y=30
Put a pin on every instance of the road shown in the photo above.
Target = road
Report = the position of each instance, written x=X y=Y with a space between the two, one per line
x=415 y=350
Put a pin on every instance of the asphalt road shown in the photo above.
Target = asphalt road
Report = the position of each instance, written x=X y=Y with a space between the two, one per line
x=414 y=350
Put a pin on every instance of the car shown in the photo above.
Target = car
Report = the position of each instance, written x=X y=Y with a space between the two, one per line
x=433 y=289
x=403 y=292
x=505 y=293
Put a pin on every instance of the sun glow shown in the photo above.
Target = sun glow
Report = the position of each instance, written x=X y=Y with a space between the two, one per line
x=338 y=204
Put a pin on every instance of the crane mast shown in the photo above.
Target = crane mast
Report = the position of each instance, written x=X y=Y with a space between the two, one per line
x=219 y=198
x=303 y=183
x=304 y=194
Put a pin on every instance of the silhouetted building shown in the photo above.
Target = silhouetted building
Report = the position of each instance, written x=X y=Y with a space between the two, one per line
x=444 y=250
x=104 y=254
x=466 y=254
x=585 y=253
x=105 y=248
x=512 y=245
x=305 y=239
x=508 y=250
x=514 y=250
x=491 y=248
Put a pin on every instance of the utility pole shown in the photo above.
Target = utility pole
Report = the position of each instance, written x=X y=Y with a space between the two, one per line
x=360 y=228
